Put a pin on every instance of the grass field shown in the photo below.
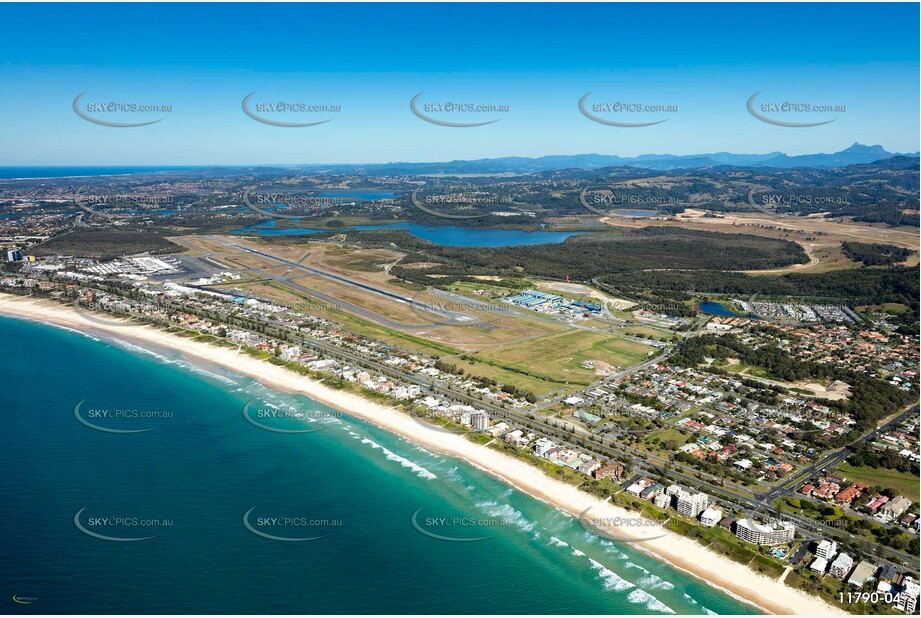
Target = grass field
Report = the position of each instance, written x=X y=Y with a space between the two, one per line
x=568 y=351
x=902 y=482
x=669 y=433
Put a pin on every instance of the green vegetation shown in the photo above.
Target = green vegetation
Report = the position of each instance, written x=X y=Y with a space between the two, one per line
x=593 y=255
x=854 y=287
x=875 y=254
x=105 y=244
x=901 y=483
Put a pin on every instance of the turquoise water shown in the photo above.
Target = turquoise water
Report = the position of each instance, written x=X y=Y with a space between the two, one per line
x=448 y=235
x=203 y=467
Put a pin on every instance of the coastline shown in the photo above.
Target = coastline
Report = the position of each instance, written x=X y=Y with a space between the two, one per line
x=767 y=594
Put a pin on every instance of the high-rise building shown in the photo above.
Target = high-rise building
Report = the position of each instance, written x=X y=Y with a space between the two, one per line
x=842 y=566
x=765 y=534
x=692 y=504
x=14 y=255
x=826 y=550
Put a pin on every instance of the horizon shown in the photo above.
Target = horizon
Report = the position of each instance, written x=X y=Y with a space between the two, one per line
x=698 y=69
x=500 y=157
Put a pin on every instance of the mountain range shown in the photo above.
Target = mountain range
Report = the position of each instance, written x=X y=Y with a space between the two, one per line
x=857 y=153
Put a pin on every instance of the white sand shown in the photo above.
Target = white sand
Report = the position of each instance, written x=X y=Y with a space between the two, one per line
x=685 y=554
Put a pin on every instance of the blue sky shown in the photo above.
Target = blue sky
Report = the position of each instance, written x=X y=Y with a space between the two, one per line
x=371 y=59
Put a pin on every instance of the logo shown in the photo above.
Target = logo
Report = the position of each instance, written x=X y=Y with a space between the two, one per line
x=284 y=524
x=414 y=198
x=623 y=107
x=794 y=107
x=117 y=414
x=280 y=414
x=601 y=526
x=18 y=598
x=92 y=204
x=308 y=205
x=117 y=107
x=283 y=106
x=453 y=107
x=455 y=310
x=452 y=523
x=605 y=202
x=119 y=523
x=768 y=202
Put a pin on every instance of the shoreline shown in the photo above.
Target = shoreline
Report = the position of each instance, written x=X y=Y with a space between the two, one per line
x=681 y=553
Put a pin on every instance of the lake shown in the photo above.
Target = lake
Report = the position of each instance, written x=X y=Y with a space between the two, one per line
x=447 y=235
x=711 y=308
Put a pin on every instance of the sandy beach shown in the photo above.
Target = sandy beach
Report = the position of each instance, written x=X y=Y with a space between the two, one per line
x=767 y=594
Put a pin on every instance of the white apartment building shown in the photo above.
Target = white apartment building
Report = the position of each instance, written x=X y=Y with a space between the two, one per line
x=765 y=534
x=692 y=504
x=827 y=550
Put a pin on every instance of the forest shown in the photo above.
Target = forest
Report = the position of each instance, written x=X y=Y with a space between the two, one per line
x=873 y=254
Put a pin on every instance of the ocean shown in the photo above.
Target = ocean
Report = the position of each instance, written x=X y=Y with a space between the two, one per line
x=207 y=508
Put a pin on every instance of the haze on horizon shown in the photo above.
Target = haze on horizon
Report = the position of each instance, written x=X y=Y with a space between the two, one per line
x=202 y=60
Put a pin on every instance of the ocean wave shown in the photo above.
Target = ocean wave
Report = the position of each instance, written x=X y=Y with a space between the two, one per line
x=631 y=565
x=170 y=361
x=641 y=597
x=406 y=463
x=69 y=329
x=557 y=542
x=508 y=514
x=654 y=582
x=576 y=552
x=612 y=581
x=216 y=376
x=136 y=348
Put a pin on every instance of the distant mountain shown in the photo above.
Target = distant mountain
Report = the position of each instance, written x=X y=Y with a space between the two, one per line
x=858 y=153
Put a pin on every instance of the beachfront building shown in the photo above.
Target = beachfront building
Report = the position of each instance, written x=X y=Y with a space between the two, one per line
x=826 y=550
x=819 y=565
x=907 y=599
x=663 y=500
x=841 y=566
x=612 y=469
x=692 y=504
x=862 y=572
x=711 y=517
x=778 y=533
